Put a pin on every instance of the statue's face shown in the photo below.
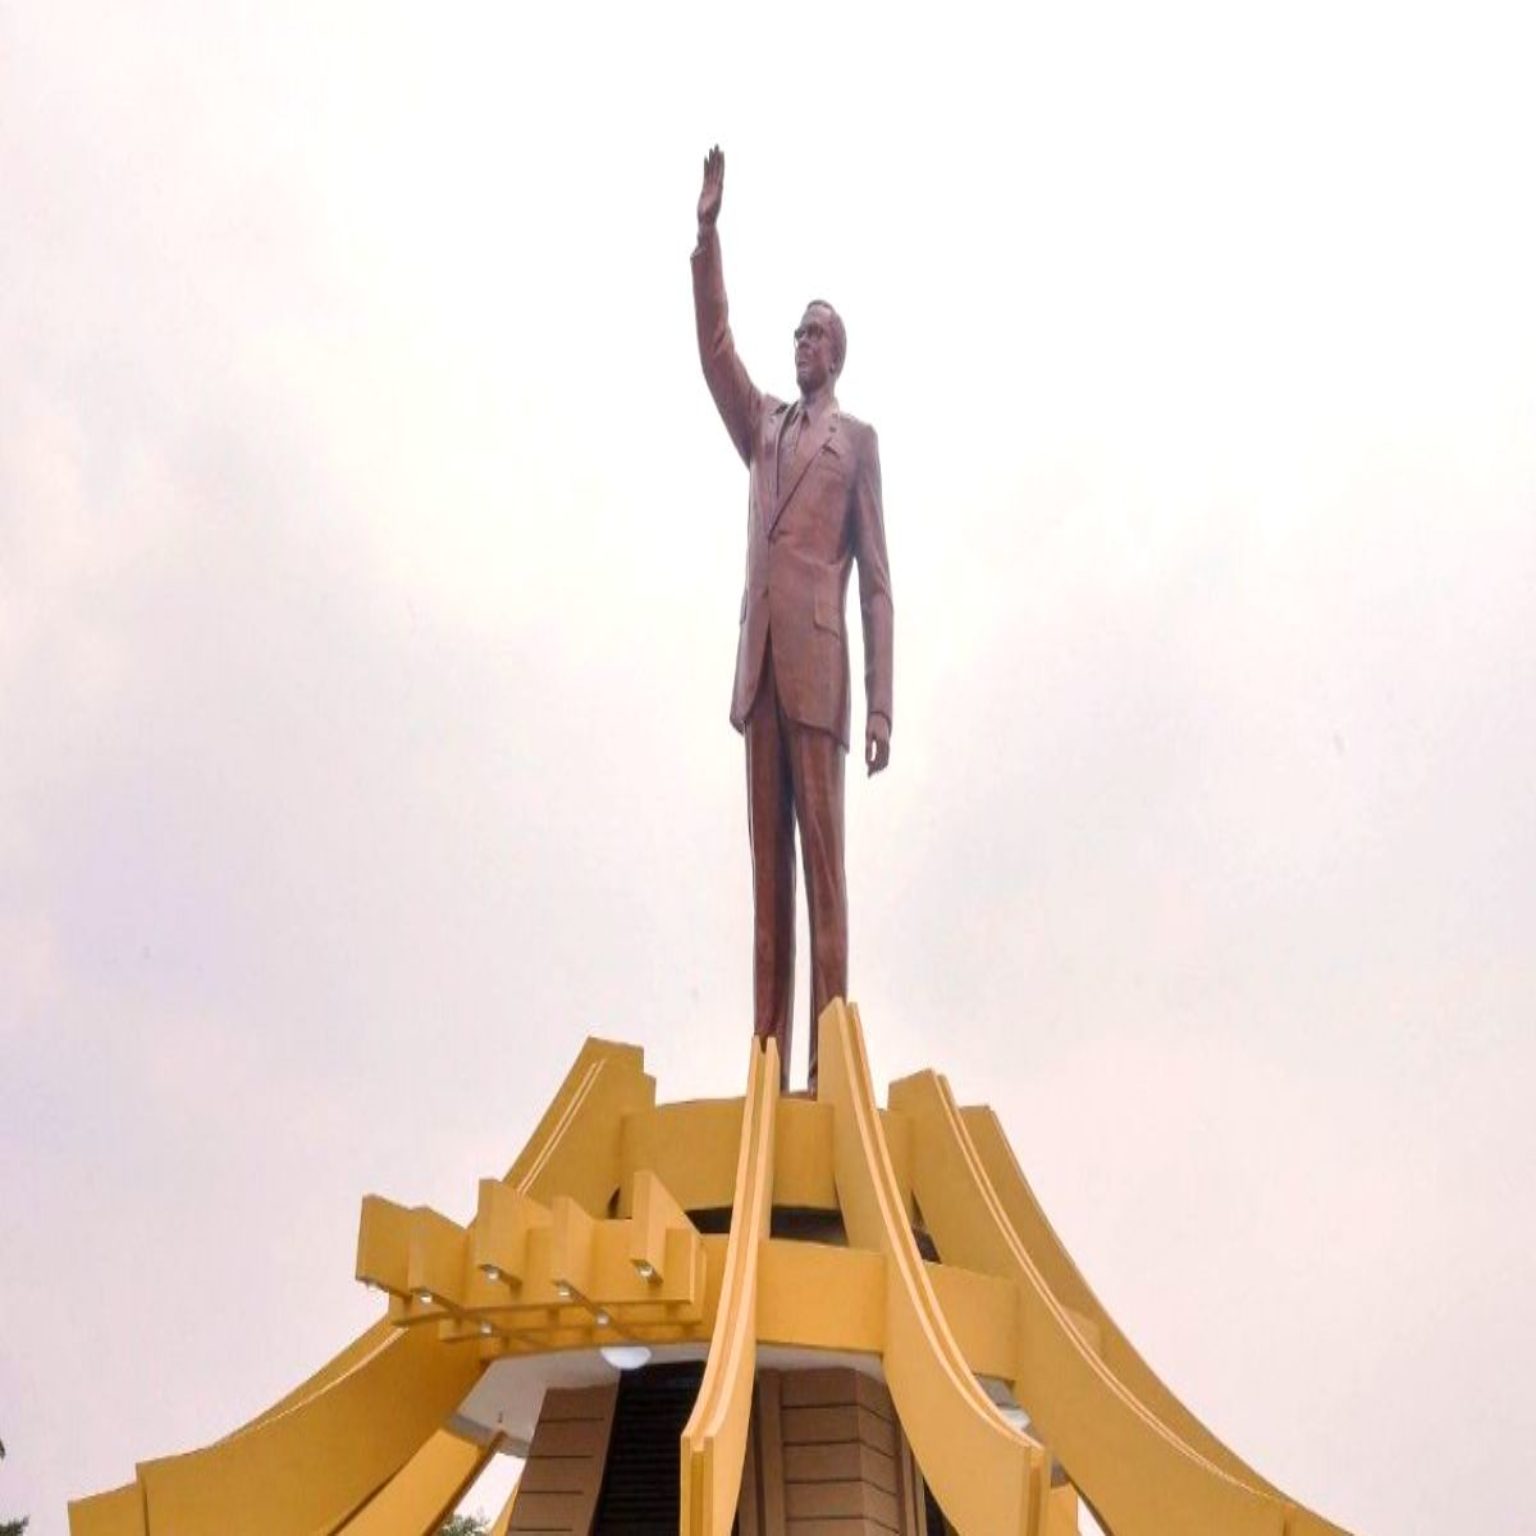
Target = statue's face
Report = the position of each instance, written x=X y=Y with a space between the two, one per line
x=813 y=350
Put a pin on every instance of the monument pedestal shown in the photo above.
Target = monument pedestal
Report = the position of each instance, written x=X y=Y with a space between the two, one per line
x=783 y=1317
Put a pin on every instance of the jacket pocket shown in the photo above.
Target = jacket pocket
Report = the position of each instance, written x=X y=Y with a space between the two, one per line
x=830 y=464
x=826 y=613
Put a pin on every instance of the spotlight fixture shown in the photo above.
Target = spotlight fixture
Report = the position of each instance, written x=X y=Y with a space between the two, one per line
x=491 y=1273
x=601 y=1318
x=644 y=1270
x=426 y=1298
x=563 y=1291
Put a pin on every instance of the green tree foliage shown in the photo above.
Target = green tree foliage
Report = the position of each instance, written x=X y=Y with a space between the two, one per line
x=459 y=1525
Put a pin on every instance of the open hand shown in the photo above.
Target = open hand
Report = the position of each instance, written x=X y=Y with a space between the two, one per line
x=714 y=188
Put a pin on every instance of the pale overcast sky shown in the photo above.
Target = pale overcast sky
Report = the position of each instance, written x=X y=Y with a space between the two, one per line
x=370 y=559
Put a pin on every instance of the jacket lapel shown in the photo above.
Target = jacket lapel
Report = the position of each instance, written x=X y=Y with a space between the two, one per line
x=811 y=443
x=780 y=416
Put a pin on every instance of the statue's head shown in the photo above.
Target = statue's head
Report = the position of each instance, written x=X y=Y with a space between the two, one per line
x=821 y=344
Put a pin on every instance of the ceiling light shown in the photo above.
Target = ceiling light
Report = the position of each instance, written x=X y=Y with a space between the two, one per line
x=625 y=1357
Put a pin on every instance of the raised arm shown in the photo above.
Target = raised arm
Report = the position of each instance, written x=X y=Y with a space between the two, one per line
x=739 y=401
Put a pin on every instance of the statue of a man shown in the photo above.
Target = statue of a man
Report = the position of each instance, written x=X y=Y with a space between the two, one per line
x=813 y=511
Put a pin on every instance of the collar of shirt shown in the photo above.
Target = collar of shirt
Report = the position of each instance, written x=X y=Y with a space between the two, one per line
x=800 y=415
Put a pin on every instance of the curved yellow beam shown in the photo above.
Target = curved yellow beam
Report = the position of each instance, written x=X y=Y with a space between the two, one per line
x=607 y=1083
x=714 y=1442
x=353 y=1355
x=310 y=1466
x=118 y=1513
x=1034 y=1233
x=1137 y=1475
x=425 y=1491
x=990 y=1479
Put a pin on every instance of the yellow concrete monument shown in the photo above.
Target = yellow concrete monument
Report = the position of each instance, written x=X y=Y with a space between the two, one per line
x=773 y=1316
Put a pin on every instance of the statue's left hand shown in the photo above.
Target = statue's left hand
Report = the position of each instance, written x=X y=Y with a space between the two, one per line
x=877 y=743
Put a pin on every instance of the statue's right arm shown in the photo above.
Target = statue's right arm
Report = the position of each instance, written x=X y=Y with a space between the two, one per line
x=739 y=400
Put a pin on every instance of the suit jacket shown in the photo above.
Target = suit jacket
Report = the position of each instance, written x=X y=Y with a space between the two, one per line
x=806 y=528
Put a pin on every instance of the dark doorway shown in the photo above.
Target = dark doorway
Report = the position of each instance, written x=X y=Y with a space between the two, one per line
x=640 y=1482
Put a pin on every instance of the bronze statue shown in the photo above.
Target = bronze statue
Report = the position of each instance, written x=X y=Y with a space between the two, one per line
x=813 y=510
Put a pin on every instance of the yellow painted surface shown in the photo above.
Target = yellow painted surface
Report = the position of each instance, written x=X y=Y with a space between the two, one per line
x=691 y=1147
x=896 y=1135
x=439 y=1256
x=815 y=1297
x=656 y=1214
x=310 y=1468
x=425 y=1491
x=715 y=1250
x=577 y=1085
x=606 y=1084
x=991 y=1480
x=359 y=1449
x=355 y=1352
x=802 y=1156
x=570 y=1246
x=714 y=1441
x=384 y=1245
x=983 y=1314
x=572 y=1268
x=504 y=1217
x=119 y=1513
x=543 y=1274
x=1141 y=1478
x=578 y=1270
x=1038 y=1238
x=1061 y=1515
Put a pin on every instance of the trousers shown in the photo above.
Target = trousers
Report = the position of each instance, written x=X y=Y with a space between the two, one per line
x=794 y=777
